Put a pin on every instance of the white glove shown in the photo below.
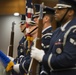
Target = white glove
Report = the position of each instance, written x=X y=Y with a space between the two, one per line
x=11 y=58
x=37 y=54
x=16 y=68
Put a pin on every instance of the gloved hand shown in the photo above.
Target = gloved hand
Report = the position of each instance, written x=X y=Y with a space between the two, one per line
x=11 y=58
x=37 y=54
x=16 y=68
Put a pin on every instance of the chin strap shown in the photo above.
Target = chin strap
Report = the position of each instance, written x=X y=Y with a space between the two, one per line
x=33 y=30
x=24 y=29
x=64 y=16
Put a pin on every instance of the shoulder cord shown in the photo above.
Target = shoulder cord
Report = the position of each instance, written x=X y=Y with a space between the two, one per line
x=66 y=34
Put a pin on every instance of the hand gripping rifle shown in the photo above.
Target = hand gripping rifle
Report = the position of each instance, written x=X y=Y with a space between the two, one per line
x=10 y=48
x=34 y=63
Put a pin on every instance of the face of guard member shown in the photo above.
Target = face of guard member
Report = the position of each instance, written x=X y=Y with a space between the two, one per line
x=22 y=27
x=46 y=19
x=59 y=13
x=48 y=14
x=31 y=28
x=36 y=20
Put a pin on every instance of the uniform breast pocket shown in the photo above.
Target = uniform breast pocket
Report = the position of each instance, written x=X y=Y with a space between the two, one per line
x=59 y=47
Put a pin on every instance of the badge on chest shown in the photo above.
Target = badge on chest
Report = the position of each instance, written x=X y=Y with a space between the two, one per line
x=58 y=51
x=59 y=45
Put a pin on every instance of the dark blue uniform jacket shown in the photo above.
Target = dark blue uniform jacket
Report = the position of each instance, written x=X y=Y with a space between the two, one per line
x=62 y=57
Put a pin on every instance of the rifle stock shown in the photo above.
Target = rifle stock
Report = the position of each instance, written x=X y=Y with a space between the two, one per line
x=10 y=49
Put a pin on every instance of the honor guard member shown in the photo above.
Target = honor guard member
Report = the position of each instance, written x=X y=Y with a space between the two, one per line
x=48 y=15
x=24 y=65
x=61 y=57
x=21 y=49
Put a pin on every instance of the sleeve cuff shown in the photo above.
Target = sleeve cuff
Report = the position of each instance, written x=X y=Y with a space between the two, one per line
x=16 y=68
x=11 y=58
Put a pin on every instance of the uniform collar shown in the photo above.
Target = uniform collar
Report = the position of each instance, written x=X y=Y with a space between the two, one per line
x=64 y=26
x=46 y=29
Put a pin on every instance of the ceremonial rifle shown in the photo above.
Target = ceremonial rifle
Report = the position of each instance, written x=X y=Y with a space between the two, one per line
x=34 y=63
x=10 y=48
